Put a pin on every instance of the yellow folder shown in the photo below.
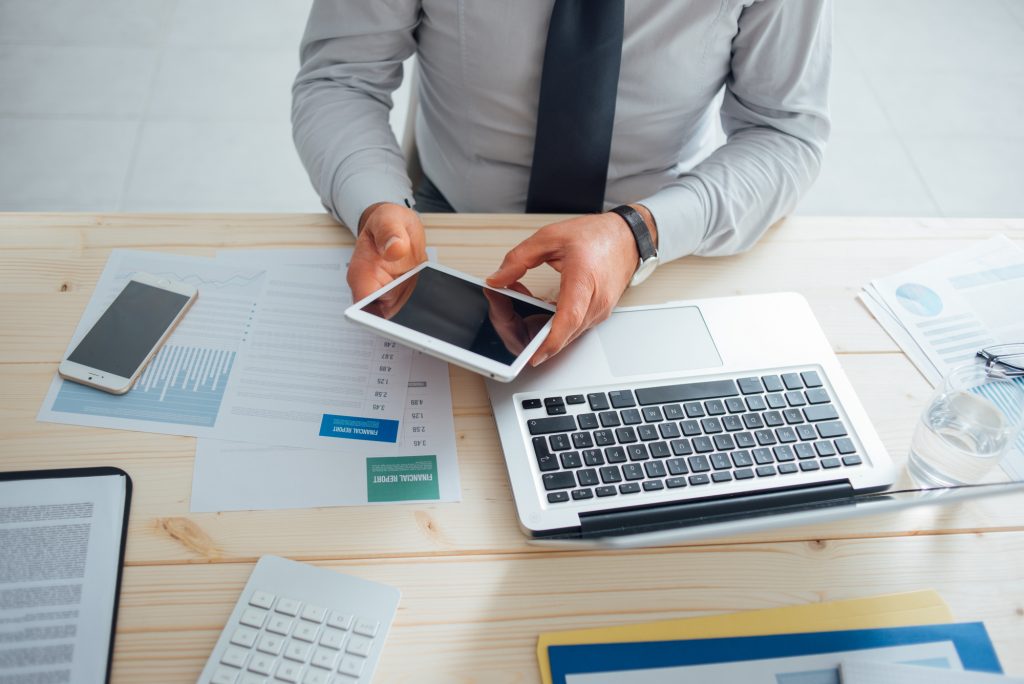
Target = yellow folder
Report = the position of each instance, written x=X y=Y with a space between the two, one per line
x=893 y=610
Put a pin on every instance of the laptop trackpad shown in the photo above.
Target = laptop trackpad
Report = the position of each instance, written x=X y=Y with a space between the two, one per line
x=657 y=341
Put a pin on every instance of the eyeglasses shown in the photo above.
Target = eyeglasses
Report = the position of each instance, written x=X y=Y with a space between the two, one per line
x=1004 y=359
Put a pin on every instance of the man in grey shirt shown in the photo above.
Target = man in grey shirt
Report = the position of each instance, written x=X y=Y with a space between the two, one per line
x=480 y=66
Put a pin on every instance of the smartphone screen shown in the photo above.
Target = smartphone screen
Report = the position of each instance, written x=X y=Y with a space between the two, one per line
x=127 y=331
x=463 y=314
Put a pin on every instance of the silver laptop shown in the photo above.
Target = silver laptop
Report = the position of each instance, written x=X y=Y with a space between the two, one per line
x=667 y=417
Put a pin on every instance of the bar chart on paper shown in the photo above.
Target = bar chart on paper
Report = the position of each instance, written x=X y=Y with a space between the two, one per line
x=182 y=385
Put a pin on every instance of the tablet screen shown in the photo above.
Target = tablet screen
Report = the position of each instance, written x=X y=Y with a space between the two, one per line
x=462 y=313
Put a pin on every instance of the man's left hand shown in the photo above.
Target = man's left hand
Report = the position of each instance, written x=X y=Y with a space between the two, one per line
x=596 y=256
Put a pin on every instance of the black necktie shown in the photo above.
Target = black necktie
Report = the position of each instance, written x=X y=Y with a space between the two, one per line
x=577 y=107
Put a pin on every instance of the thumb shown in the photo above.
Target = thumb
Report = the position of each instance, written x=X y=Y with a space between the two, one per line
x=391 y=239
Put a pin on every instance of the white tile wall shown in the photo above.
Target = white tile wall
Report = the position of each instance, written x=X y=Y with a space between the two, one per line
x=183 y=105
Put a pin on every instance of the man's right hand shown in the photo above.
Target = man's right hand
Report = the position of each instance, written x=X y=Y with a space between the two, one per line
x=391 y=241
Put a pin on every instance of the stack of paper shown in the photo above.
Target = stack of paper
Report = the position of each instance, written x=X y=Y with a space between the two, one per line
x=293 y=405
x=942 y=312
x=802 y=644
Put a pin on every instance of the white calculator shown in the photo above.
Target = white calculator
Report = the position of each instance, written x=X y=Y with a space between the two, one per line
x=301 y=624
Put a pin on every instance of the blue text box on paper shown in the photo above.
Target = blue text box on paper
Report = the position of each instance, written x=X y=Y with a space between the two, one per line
x=354 y=427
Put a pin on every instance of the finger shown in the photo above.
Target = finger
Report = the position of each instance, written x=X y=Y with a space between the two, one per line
x=520 y=288
x=530 y=253
x=390 y=238
x=574 y=302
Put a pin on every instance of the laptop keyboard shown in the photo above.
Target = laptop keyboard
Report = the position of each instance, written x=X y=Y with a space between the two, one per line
x=691 y=434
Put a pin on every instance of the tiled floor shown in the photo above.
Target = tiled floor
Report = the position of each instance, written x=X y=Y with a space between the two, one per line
x=182 y=105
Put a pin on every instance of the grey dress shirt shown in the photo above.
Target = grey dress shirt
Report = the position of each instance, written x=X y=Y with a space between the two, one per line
x=762 y=66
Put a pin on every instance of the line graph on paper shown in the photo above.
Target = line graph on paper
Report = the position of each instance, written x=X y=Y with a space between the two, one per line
x=182 y=385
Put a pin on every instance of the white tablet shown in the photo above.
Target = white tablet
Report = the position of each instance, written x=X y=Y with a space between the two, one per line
x=458 y=318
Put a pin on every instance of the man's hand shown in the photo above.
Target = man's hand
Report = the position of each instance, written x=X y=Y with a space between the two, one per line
x=596 y=255
x=391 y=241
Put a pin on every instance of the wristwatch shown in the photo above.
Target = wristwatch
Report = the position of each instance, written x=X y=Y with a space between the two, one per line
x=644 y=243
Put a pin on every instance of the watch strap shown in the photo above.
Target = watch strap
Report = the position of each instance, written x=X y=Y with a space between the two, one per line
x=641 y=233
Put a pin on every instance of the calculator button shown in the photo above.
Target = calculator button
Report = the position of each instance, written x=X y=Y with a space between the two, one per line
x=262 y=664
x=314 y=613
x=339 y=620
x=224 y=675
x=288 y=607
x=289 y=672
x=280 y=624
x=271 y=644
x=332 y=638
x=262 y=599
x=359 y=646
x=325 y=658
x=306 y=631
x=244 y=636
x=253 y=617
x=315 y=676
x=351 y=665
x=296 y=650
x=234 y=656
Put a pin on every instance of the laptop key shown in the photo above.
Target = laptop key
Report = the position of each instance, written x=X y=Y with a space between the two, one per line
x=607 y=490
x=675 y=482
x=575 y=399
x=559 y=442
x=692 y=391
x=698 y=464
x=795 y=398
x=615 y=454
x=669 y=430
x=547 y=462
x=804 y=451
x=694 y=409
x=765 y=437
x=756 y=402
x=806 y=432
x=735 y=405
x=742 y=459
x=558 y=497
x=637 y=452
x=817 y=396
x=787 y=468
x=750 y=385
x=765 y=471
x=587 y=477
x=699 y=479
x=852 y=460
x=625 y=435
x=845 y=445
x=621 y=399
x=581 y=494
x=702 y=445
x=773 y=419
x=811 y=378
x=792 y=416
x=563 y=480
x=588 y=421
x=582 y=440
x=609 y=419
x=677 y=466
x=532 y=403
x=733 y=423
x=610 y=474
x=786 y=435
x=648 y=433
x=809 y=465
x=820 y=412
x=772 y=383
x=830 y=463
x=783 y=453
x=724 y=442
x=745 y=440
x=652 y=414
x=721 y=476
x=714 y=407
x=681 y=447
x=632 y=471
x=829 y=430
x=660 y=450
x=598 y=401
x=630 y=417
x=673 y=412
x=653 y=485
x=762 y=456
x=570 y=459
x=776 y=401
x=743 y=474
x=547 y=426
x=604 y=438
x=593 y=457
x=825 y=448
x=690 y=428
x=753 y=421
x=629 y=488
x=556 y=410
x=711 y=425
x=792 y=381
x=721 y=461
x=655 y=469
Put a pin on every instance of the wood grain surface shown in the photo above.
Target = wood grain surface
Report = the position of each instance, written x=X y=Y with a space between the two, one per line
x=475 y=595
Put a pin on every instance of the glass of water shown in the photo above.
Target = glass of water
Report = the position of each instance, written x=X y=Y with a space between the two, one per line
x=970 y=423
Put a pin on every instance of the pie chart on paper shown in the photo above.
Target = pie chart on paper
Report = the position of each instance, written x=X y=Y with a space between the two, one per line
x=919 y=300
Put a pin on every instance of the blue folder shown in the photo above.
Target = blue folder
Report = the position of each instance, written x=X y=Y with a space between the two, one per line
x=970 y=640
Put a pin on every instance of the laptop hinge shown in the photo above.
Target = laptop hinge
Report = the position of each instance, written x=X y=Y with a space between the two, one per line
x=688 y=513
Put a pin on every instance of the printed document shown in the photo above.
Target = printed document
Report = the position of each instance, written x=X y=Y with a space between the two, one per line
x=60 y=542
x=870 y=672
x=942 y=312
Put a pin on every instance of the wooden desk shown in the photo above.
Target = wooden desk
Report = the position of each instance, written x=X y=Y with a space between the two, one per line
x=475 y=595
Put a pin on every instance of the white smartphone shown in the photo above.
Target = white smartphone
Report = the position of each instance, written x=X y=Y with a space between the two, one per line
x=128 y=334
x=458 y=318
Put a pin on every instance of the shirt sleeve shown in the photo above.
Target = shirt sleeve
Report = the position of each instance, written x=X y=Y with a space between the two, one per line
x=351 y=62
x=775 y=116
